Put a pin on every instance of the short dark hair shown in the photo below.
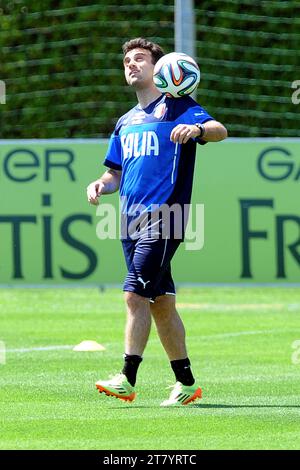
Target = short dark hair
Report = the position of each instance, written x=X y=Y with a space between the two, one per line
x=142 y=43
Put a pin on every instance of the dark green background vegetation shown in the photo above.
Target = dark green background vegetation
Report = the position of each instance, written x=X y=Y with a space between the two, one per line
x=62 y=63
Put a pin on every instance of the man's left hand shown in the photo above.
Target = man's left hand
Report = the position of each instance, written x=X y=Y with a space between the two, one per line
x=183 y=132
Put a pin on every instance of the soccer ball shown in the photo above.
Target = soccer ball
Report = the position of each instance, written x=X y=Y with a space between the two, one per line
x=176 y=75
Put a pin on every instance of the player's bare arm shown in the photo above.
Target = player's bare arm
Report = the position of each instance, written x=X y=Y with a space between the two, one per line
x=107 y=184
x=213 y=131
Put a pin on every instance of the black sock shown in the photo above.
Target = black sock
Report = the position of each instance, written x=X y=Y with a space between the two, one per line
x=182 y=371
x=131 y=366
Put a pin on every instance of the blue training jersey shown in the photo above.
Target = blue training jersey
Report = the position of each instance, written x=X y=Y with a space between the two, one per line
x=155 y=171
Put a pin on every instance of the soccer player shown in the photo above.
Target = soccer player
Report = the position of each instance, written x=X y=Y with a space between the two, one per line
x=150 y=160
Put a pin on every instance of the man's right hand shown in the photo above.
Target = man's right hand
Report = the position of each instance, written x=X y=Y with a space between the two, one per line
x=94 y=191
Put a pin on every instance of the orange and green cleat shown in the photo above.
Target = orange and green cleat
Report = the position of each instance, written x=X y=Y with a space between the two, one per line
x=118 y=387
x=182 y=395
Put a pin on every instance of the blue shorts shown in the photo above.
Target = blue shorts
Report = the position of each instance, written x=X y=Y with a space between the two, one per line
x=149 y=268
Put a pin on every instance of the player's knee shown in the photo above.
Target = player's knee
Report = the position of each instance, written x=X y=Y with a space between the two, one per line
x=163 y=306
x=135 y=301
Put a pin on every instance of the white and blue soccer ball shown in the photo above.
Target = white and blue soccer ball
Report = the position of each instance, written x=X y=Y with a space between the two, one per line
x=176 y=75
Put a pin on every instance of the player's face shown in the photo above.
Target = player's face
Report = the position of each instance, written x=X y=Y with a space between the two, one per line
x=139 y=68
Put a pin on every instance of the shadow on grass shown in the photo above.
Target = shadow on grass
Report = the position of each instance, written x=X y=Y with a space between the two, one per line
x=199 y=405
x=214 y=405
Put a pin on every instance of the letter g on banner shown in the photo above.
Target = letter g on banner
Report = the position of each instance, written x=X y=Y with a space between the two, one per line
x=275 y=164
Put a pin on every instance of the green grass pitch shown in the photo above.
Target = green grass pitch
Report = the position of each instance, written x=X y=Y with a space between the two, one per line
x=239 y=341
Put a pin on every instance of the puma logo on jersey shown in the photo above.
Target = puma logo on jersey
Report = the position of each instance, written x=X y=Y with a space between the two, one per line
x=143 y=282
x=140 y=144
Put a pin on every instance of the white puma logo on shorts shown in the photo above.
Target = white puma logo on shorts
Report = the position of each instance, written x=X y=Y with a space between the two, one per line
x=143 y=282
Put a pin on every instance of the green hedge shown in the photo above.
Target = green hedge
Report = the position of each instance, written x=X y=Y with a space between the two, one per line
x=62 y=64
